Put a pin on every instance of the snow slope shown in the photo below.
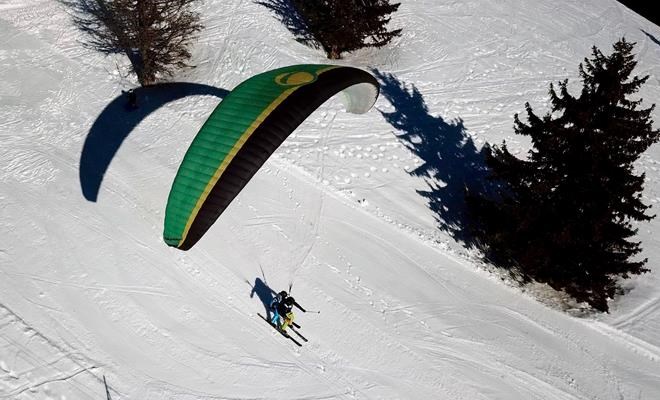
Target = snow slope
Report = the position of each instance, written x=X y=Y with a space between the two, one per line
x=88 y=289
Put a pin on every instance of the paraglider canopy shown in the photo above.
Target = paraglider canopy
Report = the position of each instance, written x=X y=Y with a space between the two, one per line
x=243 y=131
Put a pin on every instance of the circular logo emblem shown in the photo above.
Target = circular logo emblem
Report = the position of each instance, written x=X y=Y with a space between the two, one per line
x=295 y=78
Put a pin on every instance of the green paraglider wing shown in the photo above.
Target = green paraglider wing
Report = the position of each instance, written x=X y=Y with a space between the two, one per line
x=243 y=131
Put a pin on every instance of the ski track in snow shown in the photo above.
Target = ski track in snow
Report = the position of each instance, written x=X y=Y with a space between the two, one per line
x=32 y=366
x=88 y=289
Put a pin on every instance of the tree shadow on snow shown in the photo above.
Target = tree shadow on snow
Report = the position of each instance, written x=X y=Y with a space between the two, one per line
x=264 y=293
x=117 y=121
x=452 y=164
x=289 y=16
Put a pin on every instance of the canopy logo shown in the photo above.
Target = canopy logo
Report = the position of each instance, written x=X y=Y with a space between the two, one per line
x=295 y=78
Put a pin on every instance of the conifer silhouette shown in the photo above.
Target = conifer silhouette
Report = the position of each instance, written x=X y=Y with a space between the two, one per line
x=565 y=216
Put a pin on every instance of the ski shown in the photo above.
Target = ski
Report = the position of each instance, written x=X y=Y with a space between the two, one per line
x=286 y=335
x=298 y=333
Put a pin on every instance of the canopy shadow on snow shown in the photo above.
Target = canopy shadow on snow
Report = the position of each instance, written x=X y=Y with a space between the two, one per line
x=117 y=121
x=289 y=16
x=451 y=163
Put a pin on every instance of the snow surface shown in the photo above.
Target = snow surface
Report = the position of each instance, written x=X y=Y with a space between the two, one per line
x=89 y=290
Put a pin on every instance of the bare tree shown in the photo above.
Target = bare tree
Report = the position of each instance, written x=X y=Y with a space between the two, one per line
x=154 y=34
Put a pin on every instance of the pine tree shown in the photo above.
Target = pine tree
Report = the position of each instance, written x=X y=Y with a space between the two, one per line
x=566 y=215
x=340 y=26
x=154 y=34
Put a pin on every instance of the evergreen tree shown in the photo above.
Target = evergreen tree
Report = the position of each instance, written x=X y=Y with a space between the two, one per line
x=340 y=26
x=154 y=34
x=565 y=217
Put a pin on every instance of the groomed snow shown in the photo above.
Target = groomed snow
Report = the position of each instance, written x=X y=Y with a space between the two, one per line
x=89 y=290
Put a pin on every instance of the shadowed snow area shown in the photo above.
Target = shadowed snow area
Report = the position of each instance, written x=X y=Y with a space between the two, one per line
x=360 y=213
